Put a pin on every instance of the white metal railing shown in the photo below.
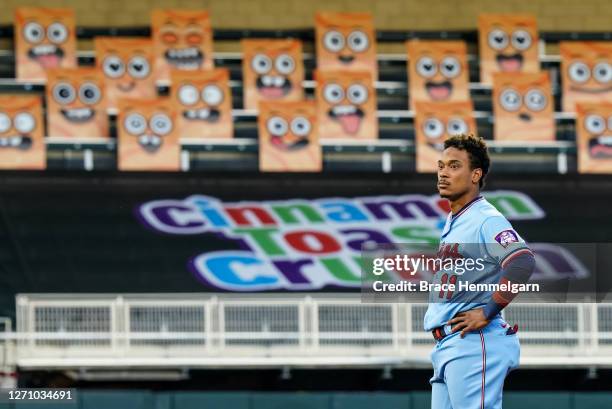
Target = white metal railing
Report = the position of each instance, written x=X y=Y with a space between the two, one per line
x=272 y=329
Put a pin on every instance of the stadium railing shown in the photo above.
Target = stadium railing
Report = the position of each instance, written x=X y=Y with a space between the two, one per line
x=274 y=330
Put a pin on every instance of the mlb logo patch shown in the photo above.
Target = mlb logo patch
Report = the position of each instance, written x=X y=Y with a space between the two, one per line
x=506 y=237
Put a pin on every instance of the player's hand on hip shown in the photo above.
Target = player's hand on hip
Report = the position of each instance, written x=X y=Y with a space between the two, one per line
x=468 y=321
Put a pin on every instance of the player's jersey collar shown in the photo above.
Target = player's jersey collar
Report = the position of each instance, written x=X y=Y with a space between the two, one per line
x=466 y=207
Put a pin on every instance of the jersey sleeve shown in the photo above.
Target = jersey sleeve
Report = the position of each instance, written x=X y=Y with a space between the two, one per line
x=501 y=241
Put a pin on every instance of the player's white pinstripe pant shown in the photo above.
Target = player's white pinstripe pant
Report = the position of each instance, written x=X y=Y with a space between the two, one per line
x=469 y=372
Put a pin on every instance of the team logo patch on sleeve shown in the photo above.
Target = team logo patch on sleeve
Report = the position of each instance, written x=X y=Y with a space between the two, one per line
x=506 y=237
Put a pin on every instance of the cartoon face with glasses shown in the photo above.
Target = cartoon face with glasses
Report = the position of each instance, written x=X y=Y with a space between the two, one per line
x=594 y=137
x=148 y=138
x=182 y=40
x=586 y=72
x=523 y=107
x=437 y=71
x=45 y=38
x=76 y=103
x=288 y=137
x=346 y=41
x=346 y=105
x=272 y=70
x=508 y=43
x=126 y=64
x=203 y=101
x=22 y=145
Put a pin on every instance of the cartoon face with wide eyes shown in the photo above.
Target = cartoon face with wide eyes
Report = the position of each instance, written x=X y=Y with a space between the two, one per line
x=76 y=105
x=346 y=105
x=44 y=38
x=507 y=43
x=346 y=41
x=127 y=66
x=434 y=123
x=148 y=137
x=586 y=69
x=594 y=137
x=438 y=71
x=182 y=40
x=523 y=107
x=203 y=101
x=22 y=145
x=288 y=137
x=272 y=70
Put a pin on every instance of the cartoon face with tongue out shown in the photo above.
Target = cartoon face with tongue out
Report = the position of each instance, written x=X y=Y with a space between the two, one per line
x=288 y=137
x=523 y=107
x=272 y=70
x=435 y=122
x=126 y=64
x=346 y=41
x=148 y=137
x=182 y=40
x=586 y=72
x=594 y=137
x=76 y=104
x=45 y=38
x=507 y=43
x=346 y=105
x=438 y=71
x=21 y=132
x=204 y=103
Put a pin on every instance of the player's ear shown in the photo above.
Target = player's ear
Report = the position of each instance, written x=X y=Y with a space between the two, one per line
x=476 y=175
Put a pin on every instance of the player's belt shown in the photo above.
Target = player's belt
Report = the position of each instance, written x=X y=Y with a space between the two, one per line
x=439 y=334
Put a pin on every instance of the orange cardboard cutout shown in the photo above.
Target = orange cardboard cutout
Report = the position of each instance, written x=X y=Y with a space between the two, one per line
x=346 y=41
x=438 y=71
x=203 y=101
x=148 y=136
x=127 y=66
x=434 y=123
x=586 y=72
x=523 y=107
x=346 y=105
x=594 y=137
x=507 y=43
x=22 y=144
x=45 y=38
x=272 y=70
x=288 y=137
x=182 y=40
x=76 y=103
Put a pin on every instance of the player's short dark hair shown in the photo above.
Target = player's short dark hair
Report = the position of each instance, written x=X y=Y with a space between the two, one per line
x=477 y=151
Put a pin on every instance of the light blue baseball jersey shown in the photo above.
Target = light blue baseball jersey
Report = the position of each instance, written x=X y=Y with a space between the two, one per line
x=481 y=233
x=469 y=372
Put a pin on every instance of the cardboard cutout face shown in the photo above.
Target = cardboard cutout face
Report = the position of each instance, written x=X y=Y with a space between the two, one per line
x=272 y=70
x=346 y=41
x=594 y=137
x=523 y=107
x=507 y=43
x=438 y=71
x=22 y=144
x=45 y=38
x=203 y=101
x=346 y=105
x=148 y=136
x=127 y=66
x=435 y=123
x=288 y=138
x=182 y=40
x=76 y=103
x=586 y=69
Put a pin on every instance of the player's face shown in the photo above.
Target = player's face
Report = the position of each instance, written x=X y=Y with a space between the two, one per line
x=455 y=178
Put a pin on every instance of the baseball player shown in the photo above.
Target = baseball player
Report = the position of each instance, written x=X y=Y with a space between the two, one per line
x=475 y=347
